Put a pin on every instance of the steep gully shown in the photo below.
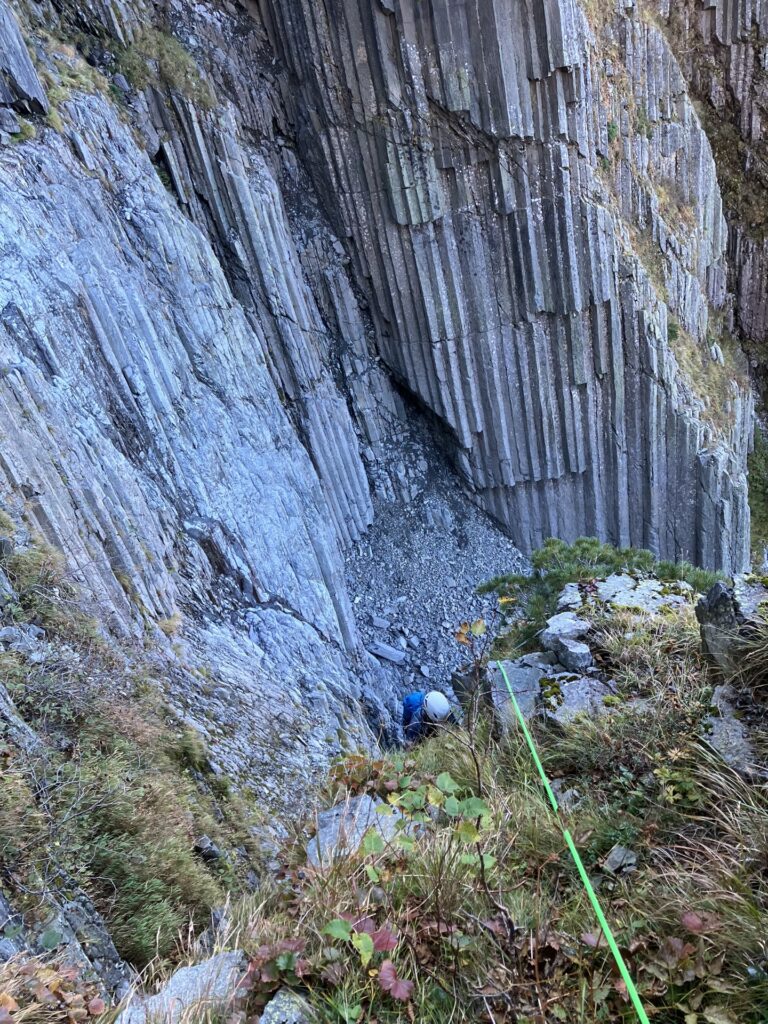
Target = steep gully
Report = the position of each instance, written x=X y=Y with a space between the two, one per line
x=301 y=331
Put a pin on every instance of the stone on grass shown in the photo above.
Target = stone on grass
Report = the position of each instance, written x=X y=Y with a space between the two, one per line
x=573 y=654
x=581 y=696
x=564 y=625
x=727 y=735
x=620 y=860
x=287 y=1007
x=191 y=992
x=570 y=598
x=341 y=829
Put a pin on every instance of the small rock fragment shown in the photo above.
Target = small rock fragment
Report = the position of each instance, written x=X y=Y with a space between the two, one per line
x=387 y=653
x=620 y=859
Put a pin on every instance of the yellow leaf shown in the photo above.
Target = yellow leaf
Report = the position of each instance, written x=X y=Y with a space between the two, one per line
x=478 y=627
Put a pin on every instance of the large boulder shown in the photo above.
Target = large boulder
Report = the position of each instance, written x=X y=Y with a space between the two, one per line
x=524 y=676
x=727 y=615
x=19 y=85
x=191 y=992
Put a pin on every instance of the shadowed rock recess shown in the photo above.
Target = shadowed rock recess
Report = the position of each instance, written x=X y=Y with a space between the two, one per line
x=244 y=247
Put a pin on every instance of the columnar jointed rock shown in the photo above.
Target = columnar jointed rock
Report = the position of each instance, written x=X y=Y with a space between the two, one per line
x=20 y=86
x=524 y=300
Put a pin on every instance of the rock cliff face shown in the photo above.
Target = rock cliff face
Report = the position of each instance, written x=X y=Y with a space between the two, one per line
x=722 y=47
x=529 y=203
x=242 y=244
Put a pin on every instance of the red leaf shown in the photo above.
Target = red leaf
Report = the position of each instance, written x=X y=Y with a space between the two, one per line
x=699 y=923
x=291 y=946
x=389 y=981
x=384 y=940
x=360 y=924
x=402 y=990
x=96 y=1006
x=5 y=1017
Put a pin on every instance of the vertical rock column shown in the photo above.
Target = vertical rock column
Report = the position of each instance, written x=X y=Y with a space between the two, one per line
x=458 y=149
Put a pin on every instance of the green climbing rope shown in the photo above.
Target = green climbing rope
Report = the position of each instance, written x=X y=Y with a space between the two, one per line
x=634 y=995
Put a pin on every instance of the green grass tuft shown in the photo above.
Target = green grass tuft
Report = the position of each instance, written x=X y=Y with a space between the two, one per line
x=528 y=601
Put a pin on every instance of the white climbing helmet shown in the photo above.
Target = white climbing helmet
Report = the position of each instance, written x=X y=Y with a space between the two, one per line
x=436 y=706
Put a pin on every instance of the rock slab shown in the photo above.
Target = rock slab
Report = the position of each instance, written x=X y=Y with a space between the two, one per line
x=190 y=993
x=340 y=830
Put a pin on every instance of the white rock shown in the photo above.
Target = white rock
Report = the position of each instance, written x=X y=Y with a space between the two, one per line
x=340 y=829
x=190 y=992
x=564 y=625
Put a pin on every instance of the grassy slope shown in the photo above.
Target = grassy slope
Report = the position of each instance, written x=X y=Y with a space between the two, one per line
x=120 y=791
x=477 y=914
x=482 y=904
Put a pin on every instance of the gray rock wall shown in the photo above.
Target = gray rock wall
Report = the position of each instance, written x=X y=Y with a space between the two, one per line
x=723 y=48
x=503 y=184
x=145 y=434
x=213 y=301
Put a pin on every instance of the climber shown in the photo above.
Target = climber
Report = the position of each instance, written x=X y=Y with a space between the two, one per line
x=423 y=713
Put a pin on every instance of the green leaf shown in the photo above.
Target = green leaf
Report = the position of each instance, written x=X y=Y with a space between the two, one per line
x=478 y=628
x=451 y=807
x=363 y=943
x=373 y=874
x=467 y=832
x=385 y=810
x=372 y=842
x=50 y=939
x=412 y=799
x=405 y=842
x=434 y=796
x=338 y=929
x=474 y=807
x=286 y=961
x=445 y=783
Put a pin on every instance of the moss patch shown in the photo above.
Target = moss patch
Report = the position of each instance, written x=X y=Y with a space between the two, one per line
x=118 y=792
x=159 y=58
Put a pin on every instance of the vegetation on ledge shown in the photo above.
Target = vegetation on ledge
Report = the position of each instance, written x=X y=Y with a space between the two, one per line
x=117 y=793
x=528 y=601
